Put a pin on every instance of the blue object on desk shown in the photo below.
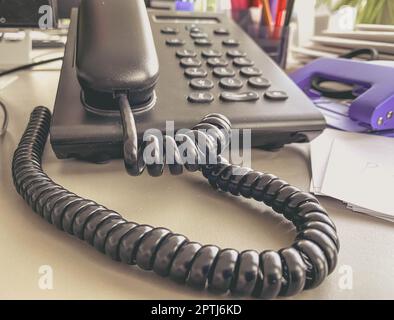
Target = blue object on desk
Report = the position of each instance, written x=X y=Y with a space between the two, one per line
x=372 y=110
x=184 y=5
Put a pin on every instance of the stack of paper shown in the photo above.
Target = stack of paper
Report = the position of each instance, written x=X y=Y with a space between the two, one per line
x=357 y=169
x=333 y=43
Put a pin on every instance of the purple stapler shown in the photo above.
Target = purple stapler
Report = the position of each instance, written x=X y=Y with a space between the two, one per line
x=371 y=109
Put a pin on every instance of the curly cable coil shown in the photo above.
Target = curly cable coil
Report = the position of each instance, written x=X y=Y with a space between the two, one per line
x=264 y=275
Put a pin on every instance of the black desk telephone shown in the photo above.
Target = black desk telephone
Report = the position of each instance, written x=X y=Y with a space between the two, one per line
x=212 y=75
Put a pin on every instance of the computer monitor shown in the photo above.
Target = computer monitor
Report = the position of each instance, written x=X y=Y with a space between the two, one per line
x=24 y=13
x=65 y=6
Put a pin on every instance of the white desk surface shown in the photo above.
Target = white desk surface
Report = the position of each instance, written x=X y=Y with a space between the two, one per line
x=184 y=204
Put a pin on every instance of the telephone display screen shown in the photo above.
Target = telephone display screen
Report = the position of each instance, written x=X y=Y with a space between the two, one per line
x=185 y=19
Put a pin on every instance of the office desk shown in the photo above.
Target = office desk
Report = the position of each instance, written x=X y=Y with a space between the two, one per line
x=184 y=204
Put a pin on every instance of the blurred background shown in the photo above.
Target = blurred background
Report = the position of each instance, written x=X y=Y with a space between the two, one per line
x=310 y=28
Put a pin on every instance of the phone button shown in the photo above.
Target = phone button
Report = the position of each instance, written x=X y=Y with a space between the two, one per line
x=203 y=42
x=186 y=53
x=169 y=30
x=251 y=72
x=190 y=62
x=201 y=97
x=201 y=84
x=276 y=95
x=175 y=42
x=196 y=73
x=231 y=83
x=211 y=53
x=231 y=43
x=217 y=62
x=221 y=32
x=222 y=72
x=198 y=35
x=194 y=28
x=243 y=62
x=259 y=82
x=239 y=97
x=236 y=53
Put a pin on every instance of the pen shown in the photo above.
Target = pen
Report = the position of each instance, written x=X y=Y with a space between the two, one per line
x=274 y=7
x=289 y=11
x=280 y=18
x=267 y=17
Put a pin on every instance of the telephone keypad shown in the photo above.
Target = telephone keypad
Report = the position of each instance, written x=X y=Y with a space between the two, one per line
x=211 y=53
x=226 y=77
x=186 y=53
x=223 y=72
x=203 y=42
x=231 y=43
x=217 y=62
x=202 y=84
x=231 y=83
x=198 y=35
x=235 y=53
x=201 y=97
x=196 y=73
x=194 y=29
x=169 y=30
x=190 y=62
x=243 y=62
x=239 y=97
x=276 y=95
x=175 y=42
x=259 y=82
x=251 y=72
x=221 y=32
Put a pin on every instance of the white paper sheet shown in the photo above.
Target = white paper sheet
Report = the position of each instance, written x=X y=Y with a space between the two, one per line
x=320 y=154
x=360 y=171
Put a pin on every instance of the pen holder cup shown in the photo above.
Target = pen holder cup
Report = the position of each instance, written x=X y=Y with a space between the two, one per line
x=273 y=40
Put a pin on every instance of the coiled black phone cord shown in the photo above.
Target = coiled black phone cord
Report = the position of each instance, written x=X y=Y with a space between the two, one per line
x=265 y=275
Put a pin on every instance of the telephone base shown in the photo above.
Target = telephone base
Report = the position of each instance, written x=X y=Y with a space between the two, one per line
x=79 y=133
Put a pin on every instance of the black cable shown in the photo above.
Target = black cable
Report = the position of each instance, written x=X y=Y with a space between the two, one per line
x=265 y=275
x=29 y=66
x=371 y=52
x=4 y=126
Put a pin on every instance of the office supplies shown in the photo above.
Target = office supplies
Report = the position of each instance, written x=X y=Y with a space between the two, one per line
x=220 y=54
x=372 y=107
x=349 y=167
x=281 y=13
x=289 y=11
x=129 y=87
x=274 y=8
x=373 y=36
x=375 y=27
x=280 y=18
x=351 y=44
x=184 y=5
x=313 y=51
x=267 y=18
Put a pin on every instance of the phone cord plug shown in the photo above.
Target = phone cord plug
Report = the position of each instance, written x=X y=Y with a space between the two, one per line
x=304 y=265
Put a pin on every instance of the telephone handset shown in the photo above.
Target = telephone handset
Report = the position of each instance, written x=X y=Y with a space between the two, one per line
x=121 y=58
x=268 y=274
